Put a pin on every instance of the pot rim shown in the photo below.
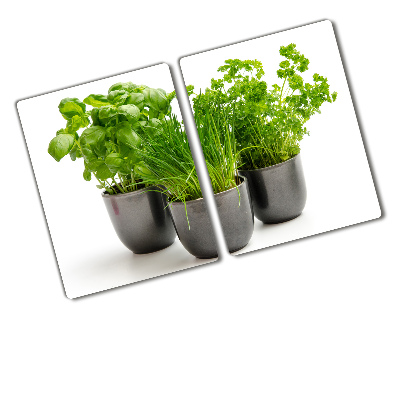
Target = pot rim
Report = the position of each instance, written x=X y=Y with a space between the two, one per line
x=244 y=179
x=139 y=191
x=271 y=166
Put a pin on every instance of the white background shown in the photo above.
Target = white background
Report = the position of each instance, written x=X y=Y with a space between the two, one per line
x=340 y=189
x=313 y=319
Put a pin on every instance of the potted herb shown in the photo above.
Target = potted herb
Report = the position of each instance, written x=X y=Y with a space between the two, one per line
x=169 y=161
x=269 y=126
x=107 y=146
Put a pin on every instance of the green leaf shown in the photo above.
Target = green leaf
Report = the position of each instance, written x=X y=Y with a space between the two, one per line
x=155 y=100
x=137 y=99
x=106 y=113
x=155 y=123
x=190 y=89
x=87 y=175
x=133 y=157
x=75 y=123
x=71 y=106
x=96 y=100
x=142 y=170
x=94 y=165
x=117 y=97
x=114 y=162
x=61 y=145
x=88 y=154
x=93 y=135
x=127 y=86
x=95 y=116
x=126 y=135
x=74 y=153
x=130 y=111
x=103 y=172
x=152 y=126
x=153 y=114
x=140 y=88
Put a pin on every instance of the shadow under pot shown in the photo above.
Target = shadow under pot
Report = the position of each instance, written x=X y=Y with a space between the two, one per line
x=278 y=192
x=236 y=218
x=141 y=219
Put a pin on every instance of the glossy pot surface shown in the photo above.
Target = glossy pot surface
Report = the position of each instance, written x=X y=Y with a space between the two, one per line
x=141 y=219
x=278 y=192
x=237 y=222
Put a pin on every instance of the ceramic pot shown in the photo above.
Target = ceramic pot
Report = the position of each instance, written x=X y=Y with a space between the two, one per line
x=237 y=222
x=278 y=192
x=141 y=219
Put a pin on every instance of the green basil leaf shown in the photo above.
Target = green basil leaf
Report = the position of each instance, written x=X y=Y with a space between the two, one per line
x=140 y=88
x=133 y=157
x=142 y=170
x=117 y=97
x=100 y=149
x=88 y=154
x=87 y=175
x=75 y=153
x=95 y=116
x=106 y=113
x=127 y=86
x=126 y=135
x=93 y=135
x=155 y=123
x=110 y=146
x=96 y=100
x=60 y=146
x=114 y=162
x=103 y=172
x=155 y=100
x=162 y=91
x=130 y=111
x=94 y=165
x=153 y=113
x=75 y=123
x=71 y=106
x=137 y=99
x=72 y=153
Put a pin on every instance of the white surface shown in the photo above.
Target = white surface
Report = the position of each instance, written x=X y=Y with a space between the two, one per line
x=90 y=256
x=340 y=189
x=111 y=265
x=312 y=319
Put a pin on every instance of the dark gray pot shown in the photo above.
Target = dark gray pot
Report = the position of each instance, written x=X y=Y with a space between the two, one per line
x=141 y=219
x=237 y=222
x=278 y=192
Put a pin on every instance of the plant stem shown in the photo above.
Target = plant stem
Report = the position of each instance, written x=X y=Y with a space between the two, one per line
x=116 y=184
x=280 y=97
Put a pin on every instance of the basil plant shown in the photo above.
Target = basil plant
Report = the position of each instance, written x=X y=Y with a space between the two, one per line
x=112 y=138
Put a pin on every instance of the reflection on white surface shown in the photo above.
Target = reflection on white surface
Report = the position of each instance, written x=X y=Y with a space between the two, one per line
x=117 y=266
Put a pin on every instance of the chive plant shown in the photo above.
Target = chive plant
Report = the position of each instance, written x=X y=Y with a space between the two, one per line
x=168 y=162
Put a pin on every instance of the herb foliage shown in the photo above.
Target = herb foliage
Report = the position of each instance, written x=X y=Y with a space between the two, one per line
x=168 y=160
x=269 y=122
x=114 y=130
